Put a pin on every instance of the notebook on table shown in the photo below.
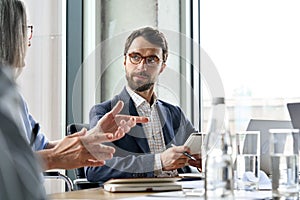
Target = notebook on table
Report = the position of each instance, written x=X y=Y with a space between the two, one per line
x=142 y=184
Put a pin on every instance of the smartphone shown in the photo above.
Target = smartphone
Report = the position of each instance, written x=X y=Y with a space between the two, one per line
x=194 y=142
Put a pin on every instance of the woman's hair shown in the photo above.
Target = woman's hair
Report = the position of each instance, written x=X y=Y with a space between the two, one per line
x=13 y=33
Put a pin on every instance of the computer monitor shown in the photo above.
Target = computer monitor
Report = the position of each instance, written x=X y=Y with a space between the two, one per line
x=263 y=126
x=294 y=111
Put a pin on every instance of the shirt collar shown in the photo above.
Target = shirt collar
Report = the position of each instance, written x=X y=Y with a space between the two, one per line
x=137 y=99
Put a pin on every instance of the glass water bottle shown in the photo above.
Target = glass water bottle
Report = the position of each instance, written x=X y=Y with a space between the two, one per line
x=218 y=166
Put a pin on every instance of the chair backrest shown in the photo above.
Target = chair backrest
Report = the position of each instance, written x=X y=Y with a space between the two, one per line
x=73 y=128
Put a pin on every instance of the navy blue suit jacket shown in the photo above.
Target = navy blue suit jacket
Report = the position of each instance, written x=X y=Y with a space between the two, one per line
x=132 y=157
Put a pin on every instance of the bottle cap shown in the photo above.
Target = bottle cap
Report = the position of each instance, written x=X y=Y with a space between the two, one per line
x=218 y=100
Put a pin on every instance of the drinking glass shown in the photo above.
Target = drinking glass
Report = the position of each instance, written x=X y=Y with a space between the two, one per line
x=284 y=163
x=247 y=164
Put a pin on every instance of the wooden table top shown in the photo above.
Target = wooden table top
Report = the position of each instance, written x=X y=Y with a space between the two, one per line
x=95 y=193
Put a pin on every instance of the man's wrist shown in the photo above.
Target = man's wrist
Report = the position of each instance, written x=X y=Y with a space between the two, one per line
x=157 y=164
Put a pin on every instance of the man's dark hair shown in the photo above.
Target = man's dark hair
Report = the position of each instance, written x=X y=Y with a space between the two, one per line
x=153 y=36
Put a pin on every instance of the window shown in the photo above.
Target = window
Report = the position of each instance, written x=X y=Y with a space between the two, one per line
x=254 y=46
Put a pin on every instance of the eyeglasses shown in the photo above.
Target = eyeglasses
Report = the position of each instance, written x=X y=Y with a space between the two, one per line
x=151 y=61
x=29 y=34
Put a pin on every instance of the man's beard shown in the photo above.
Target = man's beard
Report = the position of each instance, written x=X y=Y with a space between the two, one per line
x=136 y=87
x=145 y=87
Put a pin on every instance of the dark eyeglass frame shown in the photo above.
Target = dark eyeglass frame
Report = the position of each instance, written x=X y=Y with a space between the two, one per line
x=148 y=59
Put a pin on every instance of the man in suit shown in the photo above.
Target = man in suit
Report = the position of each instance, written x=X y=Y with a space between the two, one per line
x=146 y=150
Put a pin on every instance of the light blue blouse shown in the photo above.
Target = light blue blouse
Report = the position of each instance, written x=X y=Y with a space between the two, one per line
x=41 y=140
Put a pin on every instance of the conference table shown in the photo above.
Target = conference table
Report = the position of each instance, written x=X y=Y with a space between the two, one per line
x=95 y=193
x=100 y=193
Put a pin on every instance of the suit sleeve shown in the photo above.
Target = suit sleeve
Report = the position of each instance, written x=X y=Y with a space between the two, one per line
x=122 y=167
x=125 y=163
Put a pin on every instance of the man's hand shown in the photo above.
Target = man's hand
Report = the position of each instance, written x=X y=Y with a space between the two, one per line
x=84 y=148
x=172 y=158
x=112 y=122
x=78 y=150
x=196 y=163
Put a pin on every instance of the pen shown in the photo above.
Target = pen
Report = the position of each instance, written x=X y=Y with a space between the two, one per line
x=186 y=154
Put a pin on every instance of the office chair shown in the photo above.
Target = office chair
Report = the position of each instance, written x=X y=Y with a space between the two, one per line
x=80 y=181
x=58 y=175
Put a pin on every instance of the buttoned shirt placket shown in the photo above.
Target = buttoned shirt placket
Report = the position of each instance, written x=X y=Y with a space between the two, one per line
x=153 y=131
